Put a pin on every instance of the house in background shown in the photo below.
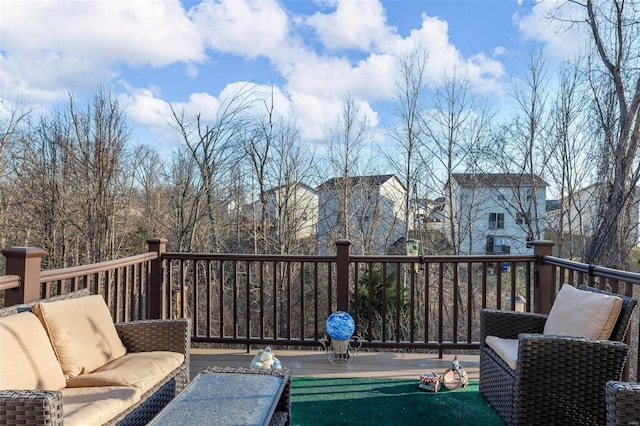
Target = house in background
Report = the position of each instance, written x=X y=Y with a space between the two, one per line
x=577 y=214
x=496 y=213
x=368 y=210
x=292 y=209
x=427 y=214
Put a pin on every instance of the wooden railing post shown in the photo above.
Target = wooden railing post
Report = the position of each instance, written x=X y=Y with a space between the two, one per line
x=544 y=290
x=342 y=274
x=27 y=263
x=156 y=290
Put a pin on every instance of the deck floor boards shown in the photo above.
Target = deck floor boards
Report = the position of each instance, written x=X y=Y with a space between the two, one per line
x=316 y=364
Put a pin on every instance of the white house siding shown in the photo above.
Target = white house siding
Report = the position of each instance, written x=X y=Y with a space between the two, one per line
x=376 y=215
x=302 y=203
x=472 y=207
x=580 y=213
x=327 y=217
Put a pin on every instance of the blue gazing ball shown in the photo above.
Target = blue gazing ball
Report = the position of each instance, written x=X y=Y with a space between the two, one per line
x=340 y=325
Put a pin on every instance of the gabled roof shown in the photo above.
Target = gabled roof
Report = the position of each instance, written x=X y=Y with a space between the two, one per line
x=292 y=185
x=368 y=181
x=497 y=179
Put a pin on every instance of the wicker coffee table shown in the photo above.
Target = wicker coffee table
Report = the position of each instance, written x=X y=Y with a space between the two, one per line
x=231 y=396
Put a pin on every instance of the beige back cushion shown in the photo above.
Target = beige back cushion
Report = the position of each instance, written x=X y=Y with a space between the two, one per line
x=82 y=333
x=580 y=313
x=27 y=360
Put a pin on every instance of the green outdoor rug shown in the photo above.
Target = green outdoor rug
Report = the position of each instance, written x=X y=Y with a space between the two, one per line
x=362 y=401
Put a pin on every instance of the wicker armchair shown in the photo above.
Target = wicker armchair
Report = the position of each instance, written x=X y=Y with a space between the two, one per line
x=558 y=380
x=623 y=403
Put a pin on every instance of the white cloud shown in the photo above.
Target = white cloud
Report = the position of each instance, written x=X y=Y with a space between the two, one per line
x=318 y=83
x=317 y=115
x=50 y=47
x=145 y=106
x=558 y=24
x=353 y=25
x=247 y=28
x=337 y=77
x=444 y=58
x=314 y=113
x=500 y=51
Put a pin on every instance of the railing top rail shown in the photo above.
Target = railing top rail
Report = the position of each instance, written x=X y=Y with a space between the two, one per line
x=358 y=258
x=445 y=258
x=66 y=273
x=260 y=257
x=9 y=281
x=592 y=270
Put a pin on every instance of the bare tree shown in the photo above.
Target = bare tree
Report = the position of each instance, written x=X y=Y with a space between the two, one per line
x=183 y=194
x=100 y=176
x=571 y=163
x=409 y=108
x=349 y=137
x=258 y=145
x=517 y=150
x=614 y=75
x=75 y=182
x=295 y=202
x=43 y=179
x=11 y=119
x=149 y=206
x=216 y=148
x=455 y=129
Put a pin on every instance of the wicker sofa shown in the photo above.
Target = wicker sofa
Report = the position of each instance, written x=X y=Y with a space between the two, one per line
x=556 y=379
x=146 y=367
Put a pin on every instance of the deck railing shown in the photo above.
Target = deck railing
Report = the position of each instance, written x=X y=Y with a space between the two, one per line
x=431 y=302
x=124 y=283
x=398 y=302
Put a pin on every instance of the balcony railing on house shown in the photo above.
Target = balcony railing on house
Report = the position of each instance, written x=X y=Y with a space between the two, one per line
x=398 y=302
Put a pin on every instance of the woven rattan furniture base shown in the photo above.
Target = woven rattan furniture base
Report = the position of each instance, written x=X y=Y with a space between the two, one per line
x=623 y=403
x=232 y=396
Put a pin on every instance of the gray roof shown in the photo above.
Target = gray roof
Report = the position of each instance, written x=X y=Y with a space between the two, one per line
x=498 y=179
x=292 y=185
x=368 y=181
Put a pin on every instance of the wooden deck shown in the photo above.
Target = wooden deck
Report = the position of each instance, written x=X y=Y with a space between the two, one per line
x=316 y=364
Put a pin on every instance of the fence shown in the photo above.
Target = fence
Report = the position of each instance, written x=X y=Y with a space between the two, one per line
x=398 y=302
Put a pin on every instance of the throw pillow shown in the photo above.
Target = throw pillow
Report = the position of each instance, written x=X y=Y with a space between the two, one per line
x=81 y=332
x=26 y=356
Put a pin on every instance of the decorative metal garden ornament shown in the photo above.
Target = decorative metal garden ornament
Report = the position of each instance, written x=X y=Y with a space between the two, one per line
x=342 y=345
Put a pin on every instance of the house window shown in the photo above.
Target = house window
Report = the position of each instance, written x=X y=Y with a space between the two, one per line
x=494 y=244
x=529 y=194
x=496 y=220
x=523 y=219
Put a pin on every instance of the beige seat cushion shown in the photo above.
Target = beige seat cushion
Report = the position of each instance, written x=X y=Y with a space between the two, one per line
x=507 y=349
x=27 y=360
x=580 y=313
x=142 y=370
x=96 y=406
x=82 y=333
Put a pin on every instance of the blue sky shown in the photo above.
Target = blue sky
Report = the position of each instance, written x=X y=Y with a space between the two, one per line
x=194 y=54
